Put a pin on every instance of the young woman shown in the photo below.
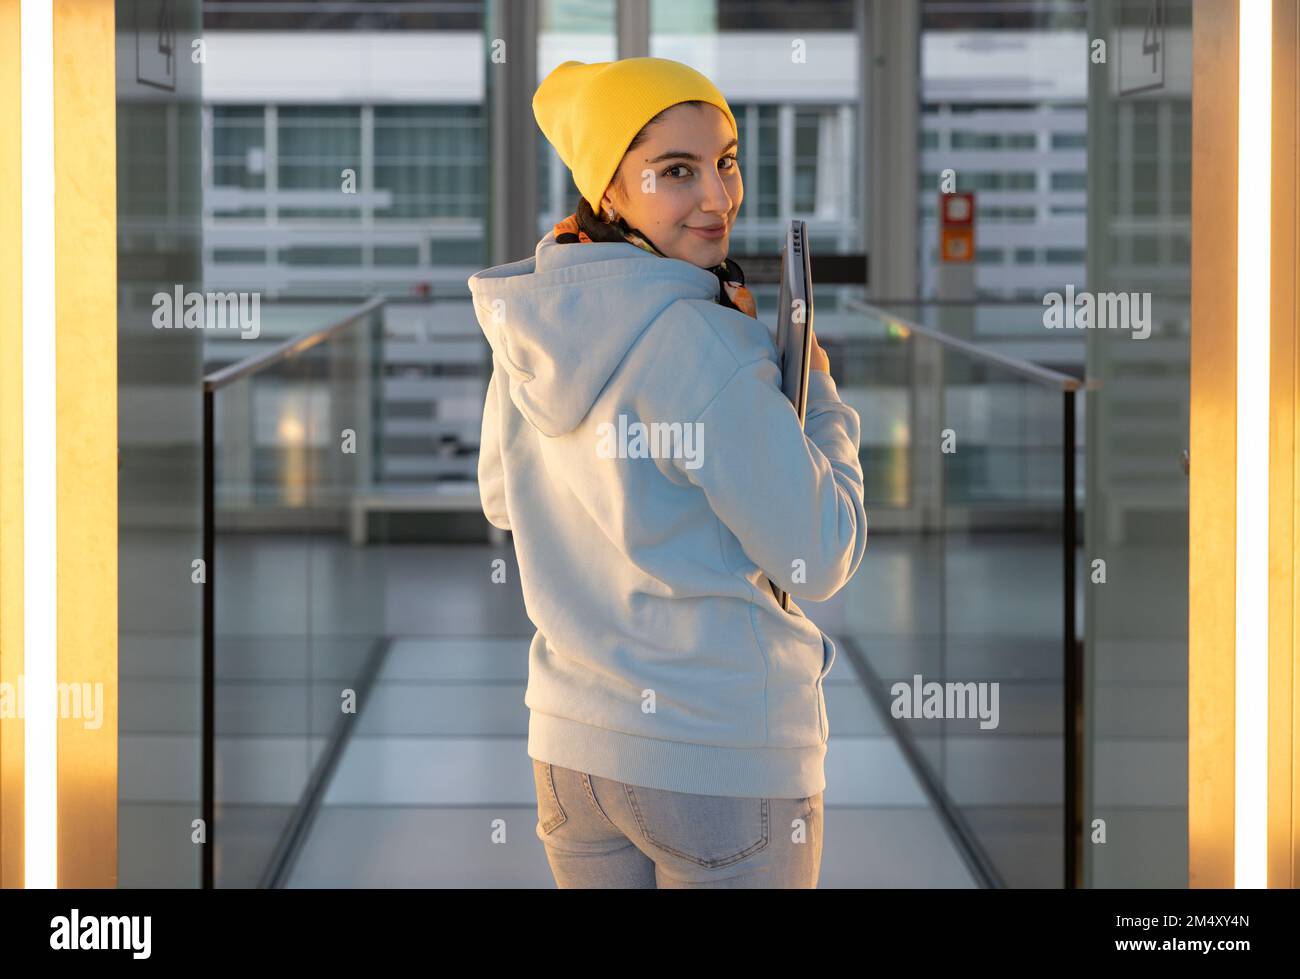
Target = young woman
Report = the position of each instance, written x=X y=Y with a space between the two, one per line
x=637 y=443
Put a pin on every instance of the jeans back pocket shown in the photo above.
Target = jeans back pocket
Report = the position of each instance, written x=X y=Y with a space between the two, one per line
x=708 y=830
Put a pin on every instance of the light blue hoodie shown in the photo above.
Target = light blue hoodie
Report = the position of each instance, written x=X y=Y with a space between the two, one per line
x=662 y=657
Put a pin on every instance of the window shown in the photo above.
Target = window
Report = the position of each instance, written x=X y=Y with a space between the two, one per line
x=317 y=143
x=807 y=129
x=769 y=160
x=1069 y=141
x=325 y=255
x=971 y=140
x=1065 y=256
x=455 y=251
x=1071 y=180
x=1009 y=215
x=238 y=153
x=991 y=180
x=397 y=255
x=431 y=158
x=248 y=255
x=1146 y=249
x=982 y=180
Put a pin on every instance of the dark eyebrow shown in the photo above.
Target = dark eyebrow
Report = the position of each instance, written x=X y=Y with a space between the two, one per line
x=683 y=155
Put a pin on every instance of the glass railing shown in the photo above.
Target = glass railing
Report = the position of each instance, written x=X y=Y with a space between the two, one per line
x=292 y=639
x=963 y=622
x=362 y=432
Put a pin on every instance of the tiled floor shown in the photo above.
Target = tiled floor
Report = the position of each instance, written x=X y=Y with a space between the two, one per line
x=437 y=754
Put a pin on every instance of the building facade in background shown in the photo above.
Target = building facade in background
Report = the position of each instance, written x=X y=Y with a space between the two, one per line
x=337 y=164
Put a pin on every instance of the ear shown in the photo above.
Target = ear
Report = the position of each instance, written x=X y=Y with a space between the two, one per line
x=608 y=211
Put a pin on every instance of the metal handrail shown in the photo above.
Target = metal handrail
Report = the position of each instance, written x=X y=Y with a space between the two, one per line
x=1040 y=375
x=289 y=348
x=1072 y=661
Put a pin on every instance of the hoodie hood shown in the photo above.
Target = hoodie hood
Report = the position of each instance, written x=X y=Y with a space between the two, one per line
x=562 y=321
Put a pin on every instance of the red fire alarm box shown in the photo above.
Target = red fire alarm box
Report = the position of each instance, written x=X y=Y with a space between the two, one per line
x=957 y=227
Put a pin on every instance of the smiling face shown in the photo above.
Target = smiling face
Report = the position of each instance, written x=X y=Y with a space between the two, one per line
x=689 y=208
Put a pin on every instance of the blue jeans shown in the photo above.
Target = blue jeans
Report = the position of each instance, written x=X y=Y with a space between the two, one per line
x=599 y=832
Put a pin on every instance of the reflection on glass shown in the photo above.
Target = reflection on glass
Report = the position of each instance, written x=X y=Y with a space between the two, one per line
x=1005 y=109
x=965 y=598
x=159 y=246
x=1139 y=156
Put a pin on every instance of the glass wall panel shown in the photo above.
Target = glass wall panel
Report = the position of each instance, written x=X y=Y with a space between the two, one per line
x=159 y=249
x=1139 y=245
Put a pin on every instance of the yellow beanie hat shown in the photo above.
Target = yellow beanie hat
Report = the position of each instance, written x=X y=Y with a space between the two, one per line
x=591 y=112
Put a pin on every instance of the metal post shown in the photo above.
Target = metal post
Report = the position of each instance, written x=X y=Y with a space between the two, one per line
x=209 y=641
x=633 y=26
x=511 y=76
x=1072 y=666
x=893 y=48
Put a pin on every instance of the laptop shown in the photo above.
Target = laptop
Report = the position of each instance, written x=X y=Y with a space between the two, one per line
x=794 y=331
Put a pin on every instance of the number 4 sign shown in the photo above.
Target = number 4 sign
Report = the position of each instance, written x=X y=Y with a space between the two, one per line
x=1141 y=45
x=155 y=43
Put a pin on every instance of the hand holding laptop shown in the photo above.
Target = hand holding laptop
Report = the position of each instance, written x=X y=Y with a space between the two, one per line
x=817 y=360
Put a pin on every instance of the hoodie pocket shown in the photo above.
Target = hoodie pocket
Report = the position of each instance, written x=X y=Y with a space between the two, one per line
x=828 y=660
x=828 y=656
x=800 y=655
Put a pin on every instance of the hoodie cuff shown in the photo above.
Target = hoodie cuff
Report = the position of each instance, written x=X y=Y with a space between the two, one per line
x=821 y=387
